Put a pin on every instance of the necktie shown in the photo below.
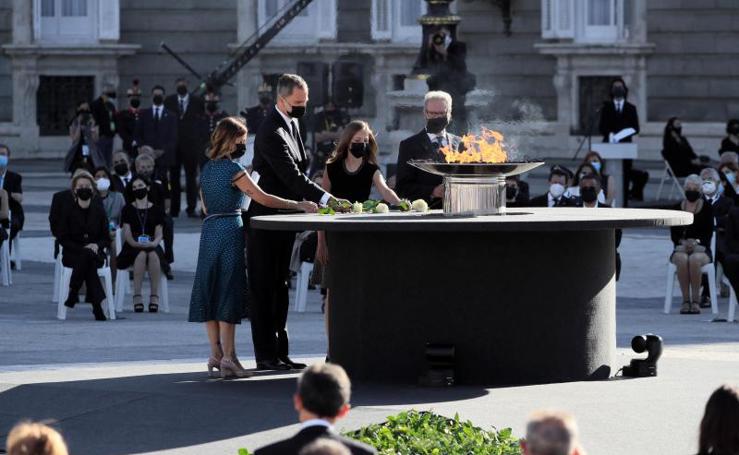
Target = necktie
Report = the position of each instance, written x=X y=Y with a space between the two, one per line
x=156 y=118
x=182 y=107
x=294 y=132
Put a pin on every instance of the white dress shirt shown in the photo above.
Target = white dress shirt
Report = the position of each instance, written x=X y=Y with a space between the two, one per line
x=619 y=105
x=316 y=423
x=442 y=136
x=157 y=111
x=183 y=100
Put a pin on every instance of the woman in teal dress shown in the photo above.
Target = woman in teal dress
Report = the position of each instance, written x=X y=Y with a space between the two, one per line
x=220 y=277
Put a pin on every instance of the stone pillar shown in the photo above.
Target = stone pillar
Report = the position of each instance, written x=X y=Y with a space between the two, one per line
x=23 y=22
x=246 y=87
x=246 y=13
x=109 y=22
x=25 y=86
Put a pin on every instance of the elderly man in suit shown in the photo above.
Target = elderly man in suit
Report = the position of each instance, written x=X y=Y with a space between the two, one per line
x=413 y=183
x=281 y=161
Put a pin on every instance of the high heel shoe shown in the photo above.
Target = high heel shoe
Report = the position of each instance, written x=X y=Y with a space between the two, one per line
x=214 y=364
x=229 y=369
x=138 y=305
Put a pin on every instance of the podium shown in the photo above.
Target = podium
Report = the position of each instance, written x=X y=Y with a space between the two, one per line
x=614 y=155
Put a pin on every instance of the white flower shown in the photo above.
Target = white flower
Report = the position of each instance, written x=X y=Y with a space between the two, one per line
x=357 y=207
x=419 y=205
x=382 y=208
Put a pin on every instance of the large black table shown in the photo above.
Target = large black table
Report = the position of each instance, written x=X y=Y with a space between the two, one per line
x=525 y=298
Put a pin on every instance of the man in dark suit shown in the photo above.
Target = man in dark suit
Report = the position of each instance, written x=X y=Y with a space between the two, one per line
x=590 y=187
x=722 y=205
x=157 y=128
x=281 y=161
x=12 y=183
x=616 y=115
x=126 y=119
x=104 y=113
x=557 y=195
x=122 y=174
x=191 y=141
x=413 y=183
x=322 y=398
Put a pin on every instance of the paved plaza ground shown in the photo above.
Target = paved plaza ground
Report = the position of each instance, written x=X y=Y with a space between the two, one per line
x=138 y=384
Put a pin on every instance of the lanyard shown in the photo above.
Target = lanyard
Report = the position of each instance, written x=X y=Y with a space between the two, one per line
x=142 y=220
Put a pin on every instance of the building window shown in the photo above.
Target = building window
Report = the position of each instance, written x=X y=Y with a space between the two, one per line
x=57 y=100
x=587 y=21
x=397 y=21
x=315 y=22
x=66 y=21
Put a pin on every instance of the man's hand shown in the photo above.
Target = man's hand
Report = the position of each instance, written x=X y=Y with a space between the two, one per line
x=438 y=192
x=92 y=247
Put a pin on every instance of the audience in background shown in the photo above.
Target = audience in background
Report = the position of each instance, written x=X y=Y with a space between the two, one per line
x=322 y=398
x=11 y=183
x=517 y=192
x=142 y=235
x=112 y=200
x=721 y=205
x=719 y=432
x=731 y=142
x=83 y=154
x=104 y=112
x=692 y=244
x=4 y=216
x=126 y=119
x=557 y=195
x=157 y=128
x=731 y=245
x=589 y=188
x=551 y=433
x=583 y=170
x=122 y=172
x=608 y=186
x=676 y=150
x=82 y=232
x=28 y=438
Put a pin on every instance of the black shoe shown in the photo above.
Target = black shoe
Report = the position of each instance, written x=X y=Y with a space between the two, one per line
x=272 y=365
x=98 y=312
x=291 y=364
x=169 y=275
x=72 y=300
x=706 y=302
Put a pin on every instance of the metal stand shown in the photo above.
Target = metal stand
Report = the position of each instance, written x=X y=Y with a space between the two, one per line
x=472 y=196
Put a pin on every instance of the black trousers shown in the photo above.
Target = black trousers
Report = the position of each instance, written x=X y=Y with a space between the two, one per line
x=191 y=183
x=268 y=262
x=168 y=238
x=84 y=270
x=731 y=269
x=634 y=182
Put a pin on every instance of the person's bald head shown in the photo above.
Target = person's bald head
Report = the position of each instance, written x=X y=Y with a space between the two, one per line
x=551 y=433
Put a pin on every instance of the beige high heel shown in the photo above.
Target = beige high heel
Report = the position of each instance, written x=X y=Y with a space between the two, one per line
x=230 y=369
x=214 y=364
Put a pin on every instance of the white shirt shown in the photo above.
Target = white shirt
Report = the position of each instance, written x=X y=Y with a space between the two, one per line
x=127 y=178
x=316 y=423
x=442 y=136
x=619 y=105
x=184 y=100
x=157 y=110
x=293 y=122
x=551 y=201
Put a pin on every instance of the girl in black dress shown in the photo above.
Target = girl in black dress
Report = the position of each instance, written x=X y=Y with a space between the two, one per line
x=142 y=237
x=350 y=173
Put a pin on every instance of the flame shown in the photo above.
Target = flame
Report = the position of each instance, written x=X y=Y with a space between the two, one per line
x=485 y=148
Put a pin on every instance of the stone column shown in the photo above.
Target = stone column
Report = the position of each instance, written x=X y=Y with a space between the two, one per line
x=246 y=87
x=25 y=86
x=23 y=22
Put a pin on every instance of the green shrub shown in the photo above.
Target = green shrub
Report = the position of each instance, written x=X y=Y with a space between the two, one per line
x=424 y=433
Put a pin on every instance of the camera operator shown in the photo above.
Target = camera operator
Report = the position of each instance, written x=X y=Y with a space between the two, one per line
x=83 y=131
x=328 y=125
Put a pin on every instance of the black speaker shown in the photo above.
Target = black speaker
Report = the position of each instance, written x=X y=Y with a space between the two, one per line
x=348 y=84
x=316 y=75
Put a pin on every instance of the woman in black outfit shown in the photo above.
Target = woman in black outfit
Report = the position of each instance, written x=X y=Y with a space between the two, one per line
x=676 y=150
x=692 y=244
x=83 y=235
x=731 y=142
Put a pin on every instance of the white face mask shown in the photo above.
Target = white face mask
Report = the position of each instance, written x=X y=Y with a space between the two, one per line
x=103 y=184
x=708 y=187
x=556 y=190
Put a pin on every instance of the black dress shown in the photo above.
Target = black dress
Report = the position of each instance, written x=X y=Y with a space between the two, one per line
x=728 y=146
x=141 y=221
x=352 y=186
x=701 y=229
x=680 y=155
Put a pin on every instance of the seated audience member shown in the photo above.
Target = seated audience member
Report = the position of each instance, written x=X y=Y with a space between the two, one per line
x=676 y=150
x=324 y=446
x=11 y=183
x=728 y=169
x=551 y=433
x=608 y=185
x=692 y=244
x=122 y=172
x=113 y=201
x=731 y=142
x=589 y=191
x=4 y=215
x=83 y=235
x=322 y=398
x=719 y=432
x=556 y=196
x=721 y=204
x=61 y=203
x=142 y=234
x=731 y=245
x=28 y=438
x=517 y=192
x=583 y=170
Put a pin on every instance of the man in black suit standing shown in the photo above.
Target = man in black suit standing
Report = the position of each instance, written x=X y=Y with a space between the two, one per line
x=616 y=115
x=157 y=128
x=104 y=112
x=190 y=112
x=413 y=183
x=322 y=398
x=281 y=161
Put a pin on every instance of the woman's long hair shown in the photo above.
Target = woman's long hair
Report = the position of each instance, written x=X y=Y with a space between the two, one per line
x=224 y=137
x=719 y=428
x=667 y=135
x=345 y=141
x=591 y=154
x=576 y=178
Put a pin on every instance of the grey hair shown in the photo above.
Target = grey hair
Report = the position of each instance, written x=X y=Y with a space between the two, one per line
x=710 y=173
x=438 y=95
x=552 y=433
x=694 y=179
x=729 y=157
x=287 y=83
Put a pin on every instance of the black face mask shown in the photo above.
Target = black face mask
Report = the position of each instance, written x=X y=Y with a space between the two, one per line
x=140 y=193
x=511 y=192
x=588 y=195
x=265 y=100
x=436 y=125
x=181 y=90
x=679 y=131
x=692 y=195
x=110 y=95
x=84 y=194
x=733 y=129
x=157 y=100
x=121 y=169
x=618 y=92
x=238 y=152
x=211 y=107
x=135 y=103
x=358 y=149
x=297 y=111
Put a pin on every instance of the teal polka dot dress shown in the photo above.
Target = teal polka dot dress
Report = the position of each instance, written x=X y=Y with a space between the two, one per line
x=220 y=278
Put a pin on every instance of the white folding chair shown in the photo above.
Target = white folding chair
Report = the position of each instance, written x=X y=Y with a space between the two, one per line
x=57 y=275
x=732 y=300
x=301 y=286
x=707 y=270
x=104 y=273
x=6 y=278
x=674 y=182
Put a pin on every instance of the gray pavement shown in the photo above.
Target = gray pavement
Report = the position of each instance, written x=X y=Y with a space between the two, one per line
x=138 y=384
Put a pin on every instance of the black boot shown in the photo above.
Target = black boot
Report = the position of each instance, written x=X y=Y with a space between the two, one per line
x=72 y=299
x=97 y=310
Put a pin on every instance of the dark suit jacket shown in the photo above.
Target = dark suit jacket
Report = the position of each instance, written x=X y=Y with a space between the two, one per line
x=125 y=121
x=721 y=208
x=294 y=445
x=613 y=122
x=191 y=125
x=13 y=184
x=103 y=116
x=162 y=136
x=732 y=231
x=543 y=201
x=75 y=229
x=413 y=183
x=281 y=162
